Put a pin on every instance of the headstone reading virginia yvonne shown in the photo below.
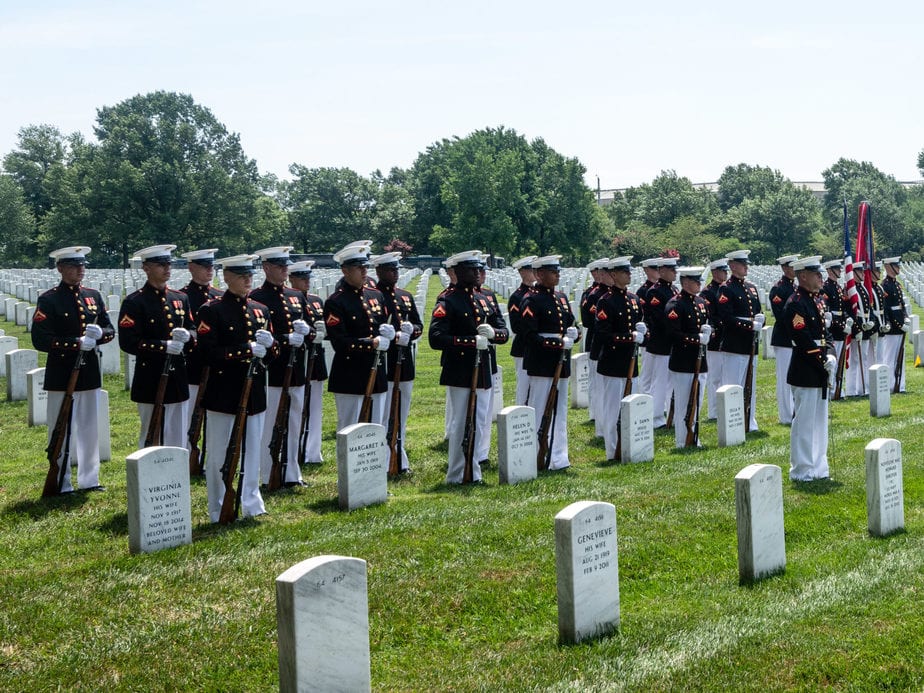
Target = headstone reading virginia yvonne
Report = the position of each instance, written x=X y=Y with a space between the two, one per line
x=37 y=396
x=880 y=396
x=7 y=344
x=322 y=623
x=159 y=514
x=637 y=428
x=18 y=363
x=730 y=415
x=516 y=444
x=362 y=466
x=587 y=571
x=580 y=381
x=759 y=511
x=885 y=504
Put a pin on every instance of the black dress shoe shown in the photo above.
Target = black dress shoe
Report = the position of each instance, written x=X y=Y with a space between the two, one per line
x=97 y=488
x=290 y=484
x=484 y=463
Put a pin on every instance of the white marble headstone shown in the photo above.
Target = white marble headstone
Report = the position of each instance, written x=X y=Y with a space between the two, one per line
x=322 y=623
x=587 y=571
x=880 y=395
x=516 y=444
x=9 y=308
x=580 y=380
x=30 y=316
x=37 y=397
x=18 y=363
x=362 y=465
x=730 y=415
x=759 y=511
x=7 y=344
x=636 y=424
x=766 y=347
x=110 y=355
x=129 y=368
x=885 y=503
x=21 y=309
x=497 y=393
x=159 y=514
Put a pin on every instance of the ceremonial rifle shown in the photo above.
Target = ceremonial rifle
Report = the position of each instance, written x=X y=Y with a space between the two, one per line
x=394 y=419
x=899 y=365
x=61 y=436
x=468 y=435
x=306 y=410
x=748 y=381
x=627 y=390
x=195 y=427
x=231 y=502
x=670 y=413
x=692 y=416
x=278 y=442
x=544 y=454
x=365 y=411
x=156 y=425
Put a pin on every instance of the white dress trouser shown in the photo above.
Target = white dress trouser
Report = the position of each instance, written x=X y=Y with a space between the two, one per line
x=681 y=382
x=784 y=403
x=405 y=388
x=84 y=436
x=713 y=381
x=176 y=424
x=349 y=406
x=611 y=392
x=218 y=434
x=660 y=387
x=459 y=399
x=522 y=391
x=539 y=389
x=734 y=368
x=856 y=376
x=889 y=345
x=483 y=447
x=315 y=419
x=595 y=395
x=808 y=452
x=297 y=399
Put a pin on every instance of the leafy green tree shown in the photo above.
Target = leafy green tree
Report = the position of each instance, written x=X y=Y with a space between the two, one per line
x=392 y=212
x=18 y=224
x=738 y=183
x=41 y=148
x=658 y=204
x=780 y=222
x=328 y=207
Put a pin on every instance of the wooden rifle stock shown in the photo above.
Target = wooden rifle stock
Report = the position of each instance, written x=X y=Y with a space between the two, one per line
x=670 y=413
x=544 y=453
x=365 y=412
x=195 y=427
x=748 y=383
x=394 y=419
x=468 y=437
x=841 y=363
x=692 y=416
x=899 y=366
x=306 y=410
x=229 y=504
x=627 y=390
x=277 y=446
x=156 y=425
x=60 y=435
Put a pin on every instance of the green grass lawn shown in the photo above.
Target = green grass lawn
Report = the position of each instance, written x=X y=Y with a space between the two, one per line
x=462 y=580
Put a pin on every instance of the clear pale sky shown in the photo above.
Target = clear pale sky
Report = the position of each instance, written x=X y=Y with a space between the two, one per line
x=629 y=91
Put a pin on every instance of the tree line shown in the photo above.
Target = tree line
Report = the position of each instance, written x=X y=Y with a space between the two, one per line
x=162 y=168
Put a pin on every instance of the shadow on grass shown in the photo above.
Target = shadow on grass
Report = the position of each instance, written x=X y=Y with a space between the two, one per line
x=40 y=507
x=325 y=506
x=441 y=446
x=117 y=524
x=756 y=435
x=818 y=487
x=691 y=450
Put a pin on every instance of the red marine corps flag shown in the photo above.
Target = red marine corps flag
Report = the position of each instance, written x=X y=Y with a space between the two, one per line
x=850 y=286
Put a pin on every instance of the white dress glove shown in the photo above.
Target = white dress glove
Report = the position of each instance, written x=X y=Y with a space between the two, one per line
x=641 y=328
x=867 y=325
x=572 y=333
x=295 y=339
x=87 y=343
x=638 y=337
x=301 y=327
x=704 y=338
x=383 y=344
x=906 y=326
x=830 y=364
x=486 y=331
x=174 y=347
x=403 y=338
x=180 y=334
x=759 y=321
x=848 y=324
x=407 y=328
x=387 y=331
x=567 y=343
x=259 y=351
x=93 y=331
x=320 y=330
x=481 y=342
x=828 y=318
x=264 y=339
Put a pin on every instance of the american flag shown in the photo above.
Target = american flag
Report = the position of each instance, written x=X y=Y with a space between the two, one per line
x=853 y=298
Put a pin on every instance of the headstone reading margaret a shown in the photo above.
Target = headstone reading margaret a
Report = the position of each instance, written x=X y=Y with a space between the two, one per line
x=362 y=466
x=759 y=511
x=885 y=503
x=159 y=514
x=516 y=444
x=730 y=415
x=322 y=622
x=636 y=422
x=18 y=363
x=37 y=396
x=587 y=571
x=880 y=395
x=580 y=380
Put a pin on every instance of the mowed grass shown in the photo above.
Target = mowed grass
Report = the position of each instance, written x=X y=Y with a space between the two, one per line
x=462 y=580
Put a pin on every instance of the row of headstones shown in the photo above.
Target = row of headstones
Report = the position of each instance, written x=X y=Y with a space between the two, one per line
x=322 y=613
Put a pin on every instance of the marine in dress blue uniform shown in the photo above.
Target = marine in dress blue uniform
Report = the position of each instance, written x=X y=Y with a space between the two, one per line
x=779 y=336
x=895 y=319
x=710 y=294
x=518 y=346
